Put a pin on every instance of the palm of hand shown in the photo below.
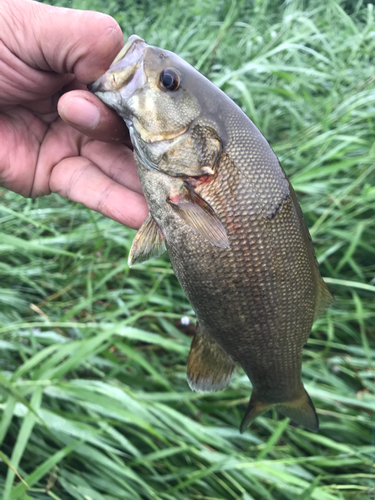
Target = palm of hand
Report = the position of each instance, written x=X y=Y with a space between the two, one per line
x=41 y=152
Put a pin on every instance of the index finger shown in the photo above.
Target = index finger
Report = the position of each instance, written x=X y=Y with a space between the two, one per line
x=62 y=40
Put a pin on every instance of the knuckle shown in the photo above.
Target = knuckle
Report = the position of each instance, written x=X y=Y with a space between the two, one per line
x=103 y=203
x=74 y=181
x=109 y=37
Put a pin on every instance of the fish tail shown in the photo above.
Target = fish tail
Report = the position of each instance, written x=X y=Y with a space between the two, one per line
x=254 y=409
x=301 y=410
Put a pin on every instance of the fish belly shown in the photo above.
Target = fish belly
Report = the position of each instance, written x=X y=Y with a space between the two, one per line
x=257 y=298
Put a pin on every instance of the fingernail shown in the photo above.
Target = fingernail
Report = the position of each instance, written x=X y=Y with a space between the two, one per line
x=81 y=112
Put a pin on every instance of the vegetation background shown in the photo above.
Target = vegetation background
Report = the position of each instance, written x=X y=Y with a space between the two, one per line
x=93 y=398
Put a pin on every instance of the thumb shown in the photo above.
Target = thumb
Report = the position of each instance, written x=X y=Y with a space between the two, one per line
x=86 y=113
x=61 y=40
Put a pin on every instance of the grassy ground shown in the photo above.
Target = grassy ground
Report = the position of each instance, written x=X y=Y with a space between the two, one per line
x=93 y=398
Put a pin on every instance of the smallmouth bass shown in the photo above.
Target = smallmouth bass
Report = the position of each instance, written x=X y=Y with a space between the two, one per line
x=222 y=205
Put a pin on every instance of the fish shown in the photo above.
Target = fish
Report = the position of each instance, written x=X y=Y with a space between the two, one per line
x=221 y=204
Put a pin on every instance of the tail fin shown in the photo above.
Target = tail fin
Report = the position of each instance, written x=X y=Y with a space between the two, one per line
x=301 y=410
x=254 y=409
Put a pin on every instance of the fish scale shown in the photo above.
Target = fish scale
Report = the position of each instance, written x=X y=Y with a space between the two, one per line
x=222 y=205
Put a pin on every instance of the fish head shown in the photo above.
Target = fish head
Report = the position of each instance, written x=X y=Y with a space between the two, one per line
x=163 y=101
x=153 y=90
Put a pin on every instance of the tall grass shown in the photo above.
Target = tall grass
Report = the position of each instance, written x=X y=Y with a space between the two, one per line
x=93 y=398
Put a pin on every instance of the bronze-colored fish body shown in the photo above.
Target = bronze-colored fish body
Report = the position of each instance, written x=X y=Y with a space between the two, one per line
x=221 y=202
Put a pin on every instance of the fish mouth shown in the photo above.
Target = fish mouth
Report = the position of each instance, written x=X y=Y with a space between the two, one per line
x=124 y=76
x=130 y=46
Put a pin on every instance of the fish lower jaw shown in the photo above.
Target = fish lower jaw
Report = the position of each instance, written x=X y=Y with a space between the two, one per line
x=155 y=138
x=110 y=98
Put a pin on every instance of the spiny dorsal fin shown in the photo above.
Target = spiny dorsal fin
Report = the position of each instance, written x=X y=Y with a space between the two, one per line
x=148 y=243
x=200 y=216
x=301 y=410
x=209 y=368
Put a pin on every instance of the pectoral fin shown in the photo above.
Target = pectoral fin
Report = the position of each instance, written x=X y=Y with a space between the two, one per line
x=209 y=368
x=148 y=243
x=200 y=216
x=301 y=410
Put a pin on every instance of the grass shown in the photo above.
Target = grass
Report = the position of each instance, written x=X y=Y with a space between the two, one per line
x=93 y=398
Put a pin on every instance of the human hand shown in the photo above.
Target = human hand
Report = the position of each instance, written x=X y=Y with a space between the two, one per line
x=47 y=56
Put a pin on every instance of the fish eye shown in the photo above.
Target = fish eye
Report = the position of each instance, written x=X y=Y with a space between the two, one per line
x=170 y=79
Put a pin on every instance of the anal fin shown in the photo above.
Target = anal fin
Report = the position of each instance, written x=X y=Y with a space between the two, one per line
x=209 y=368
x=148 y=243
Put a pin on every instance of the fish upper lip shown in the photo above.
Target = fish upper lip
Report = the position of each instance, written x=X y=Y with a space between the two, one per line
x=133 y=39
x=103 y=83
